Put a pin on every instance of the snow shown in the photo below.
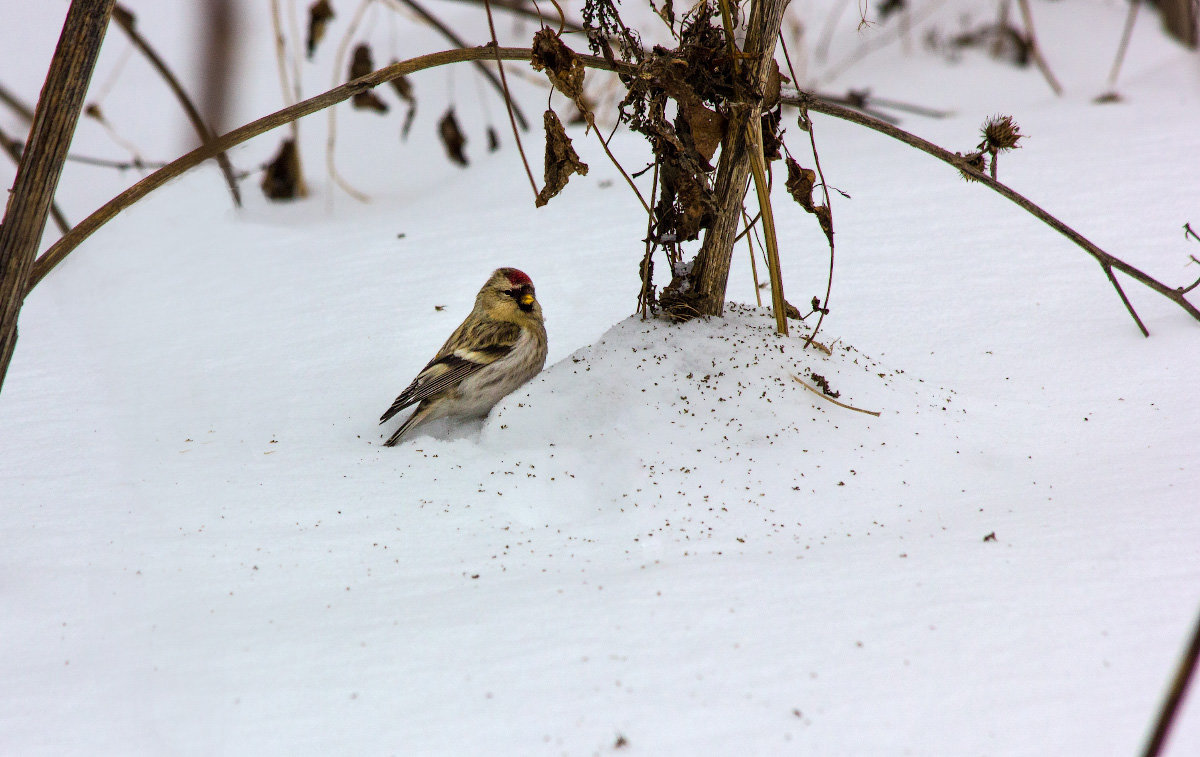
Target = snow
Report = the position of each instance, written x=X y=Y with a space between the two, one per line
x=663 y=544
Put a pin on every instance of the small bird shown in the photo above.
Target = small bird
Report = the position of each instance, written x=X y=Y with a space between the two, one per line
x=500 y=345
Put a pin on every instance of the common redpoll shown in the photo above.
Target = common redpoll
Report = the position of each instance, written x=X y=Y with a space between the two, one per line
x=500 y=345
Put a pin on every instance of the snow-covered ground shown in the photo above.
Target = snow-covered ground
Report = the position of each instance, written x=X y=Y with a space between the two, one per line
x=664 y=544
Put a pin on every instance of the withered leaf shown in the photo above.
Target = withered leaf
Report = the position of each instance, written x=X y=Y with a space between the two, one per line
x=825 y=218
x=283 y=180
x=708 y=128
x=493 y=139
x=404 y=89
x=320 y=14
x=361 y=65
x=771 y=89
x=772 y=135
x=561 y=159
x=452 y=138
x=560 y=63
x=800 y=183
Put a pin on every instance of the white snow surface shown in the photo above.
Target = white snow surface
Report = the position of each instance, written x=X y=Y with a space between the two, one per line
x=663 y=544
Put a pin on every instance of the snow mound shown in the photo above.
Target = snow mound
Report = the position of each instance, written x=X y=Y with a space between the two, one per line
x=692 y=431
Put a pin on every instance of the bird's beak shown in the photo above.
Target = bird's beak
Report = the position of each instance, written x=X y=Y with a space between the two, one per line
x=526 y=300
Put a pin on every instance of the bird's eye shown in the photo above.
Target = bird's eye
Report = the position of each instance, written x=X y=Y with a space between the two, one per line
x=512 y=293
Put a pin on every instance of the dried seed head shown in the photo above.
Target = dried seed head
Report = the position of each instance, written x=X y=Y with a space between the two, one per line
x=975 y=161
x=1000 y=133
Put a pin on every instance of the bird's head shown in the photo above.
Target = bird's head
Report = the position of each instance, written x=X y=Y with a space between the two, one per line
x=508 y=295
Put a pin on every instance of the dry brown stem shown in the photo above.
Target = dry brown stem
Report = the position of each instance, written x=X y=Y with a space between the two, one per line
x=13 y=148
x=827 y=398
x=509 y=105
x=88 y=226
x=1107 y=261
x=1036 y=49
x=1175 y=694
x=41 y=164
x=125 y=19
x=454 y=39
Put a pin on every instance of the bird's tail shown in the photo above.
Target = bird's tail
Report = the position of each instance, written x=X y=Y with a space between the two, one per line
x=422 y=413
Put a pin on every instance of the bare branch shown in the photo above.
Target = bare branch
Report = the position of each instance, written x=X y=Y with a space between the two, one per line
x=818 y=105
x=1179 y=687
x=88 y=226
x=126 y=20
x=37 y=177
x=1126 y=34
x=1036 y=49
x=13 y=148
x=509 y=105
x=827 y=398
x=454 y=39
x=14 y=103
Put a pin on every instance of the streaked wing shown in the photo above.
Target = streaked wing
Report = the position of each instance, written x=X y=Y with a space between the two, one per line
x=447 y=371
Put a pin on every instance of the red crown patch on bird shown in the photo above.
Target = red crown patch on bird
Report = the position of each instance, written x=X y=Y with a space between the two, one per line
x=517 y=278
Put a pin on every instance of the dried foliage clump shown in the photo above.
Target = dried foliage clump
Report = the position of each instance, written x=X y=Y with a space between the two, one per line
x=680 y=100
x=603 y=23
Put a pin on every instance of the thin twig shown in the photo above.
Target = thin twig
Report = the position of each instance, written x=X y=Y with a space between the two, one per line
x=454 y=39
x=644 y=296
x=281 y=54
x=1121 y=292
x=1175 y=695
x=746 y=226
x=826 y=397
x=750 y=244
x=123 y=18
x=339 y=61
x=88 y=226
x=1126 y=34
x=1038 y=58
x=13 y=148
x=812 y=140
x=15 y=104
x=519 y=9
x=877 y=43
x=290 y=86
x=818 y=105
x=821 y=53
x=591 y=122
x=508 y=101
